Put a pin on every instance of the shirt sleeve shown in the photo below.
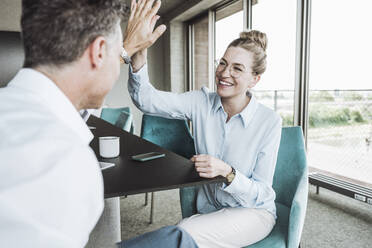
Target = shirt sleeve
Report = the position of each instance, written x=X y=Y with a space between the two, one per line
x=256 y=190
x=160 y=103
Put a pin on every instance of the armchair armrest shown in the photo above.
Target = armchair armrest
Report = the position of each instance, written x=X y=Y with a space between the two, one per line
x=298 y=211
x=188 y=201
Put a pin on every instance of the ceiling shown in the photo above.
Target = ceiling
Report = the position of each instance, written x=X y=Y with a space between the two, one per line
x=166 y=5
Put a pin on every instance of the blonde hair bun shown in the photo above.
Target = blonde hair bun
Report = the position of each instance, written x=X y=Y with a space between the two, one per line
x=255 y=42
x=256 y=37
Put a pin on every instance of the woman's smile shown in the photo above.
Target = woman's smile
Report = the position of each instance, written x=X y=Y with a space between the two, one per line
x=224 y=84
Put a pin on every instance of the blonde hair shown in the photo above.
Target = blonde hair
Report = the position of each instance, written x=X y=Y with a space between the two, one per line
x=255 y=42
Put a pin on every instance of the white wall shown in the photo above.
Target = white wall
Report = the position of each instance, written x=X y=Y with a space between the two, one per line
x=10 y=14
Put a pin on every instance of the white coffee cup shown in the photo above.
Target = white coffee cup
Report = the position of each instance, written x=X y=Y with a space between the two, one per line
x=109 y=146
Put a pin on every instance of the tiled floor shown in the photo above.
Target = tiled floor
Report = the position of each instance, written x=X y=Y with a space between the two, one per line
x=332 y=220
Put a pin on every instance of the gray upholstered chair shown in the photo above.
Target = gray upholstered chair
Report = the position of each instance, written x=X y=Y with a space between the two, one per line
x=11 y=56
x=107 y=231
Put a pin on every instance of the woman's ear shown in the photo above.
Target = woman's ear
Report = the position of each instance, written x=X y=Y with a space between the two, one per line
x=254 y=81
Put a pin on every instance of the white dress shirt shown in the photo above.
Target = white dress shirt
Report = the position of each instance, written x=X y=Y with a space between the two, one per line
x=249 y=141
x=51 y=187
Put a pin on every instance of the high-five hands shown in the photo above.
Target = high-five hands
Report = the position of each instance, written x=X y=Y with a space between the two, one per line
x=208 y=166
x=140 y=33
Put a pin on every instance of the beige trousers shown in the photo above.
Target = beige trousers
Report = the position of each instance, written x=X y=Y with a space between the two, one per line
x=229 y=227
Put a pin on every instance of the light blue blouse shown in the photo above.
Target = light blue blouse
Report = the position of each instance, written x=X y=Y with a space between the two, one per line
x=249 y=141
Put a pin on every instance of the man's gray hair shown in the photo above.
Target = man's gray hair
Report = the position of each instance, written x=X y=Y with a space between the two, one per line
x=57 y=32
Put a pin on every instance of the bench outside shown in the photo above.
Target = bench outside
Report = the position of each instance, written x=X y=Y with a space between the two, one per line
x=352 y=190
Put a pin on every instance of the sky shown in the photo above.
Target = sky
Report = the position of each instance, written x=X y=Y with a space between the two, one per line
x=340 y=45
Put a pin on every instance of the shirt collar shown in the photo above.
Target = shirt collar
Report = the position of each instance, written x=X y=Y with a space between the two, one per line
x=40 y=85
x=247 y=113
x=217 y=104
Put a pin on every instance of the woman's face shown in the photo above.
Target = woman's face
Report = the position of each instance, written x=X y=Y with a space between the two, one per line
x=234 y=73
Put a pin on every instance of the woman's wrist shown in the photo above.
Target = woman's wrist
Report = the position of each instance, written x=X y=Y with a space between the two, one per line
x=130 y=51
x=139 y=60
x=137 y=67
x=227 y=170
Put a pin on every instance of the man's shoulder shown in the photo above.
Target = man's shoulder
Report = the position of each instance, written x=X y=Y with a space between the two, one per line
x=15 y=100
x=28 y=120
x=36 y=143
x=39 y=129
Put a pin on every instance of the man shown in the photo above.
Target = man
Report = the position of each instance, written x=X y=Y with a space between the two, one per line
x=51 y=190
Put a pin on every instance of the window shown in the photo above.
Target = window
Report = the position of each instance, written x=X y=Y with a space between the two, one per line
x=229 y=23
x=340 y=96
x=276 y=88
x=209 y=36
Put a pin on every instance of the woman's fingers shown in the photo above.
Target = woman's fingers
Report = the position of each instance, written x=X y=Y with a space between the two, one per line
x=154 y=9
x=147 y=7
x=140 y=33
x=133 y=5
x=202 y=163
x=200 y=158
x=208 y=166
x=139 y=8
x=146 y=10
x=205 y=175
x=203 y=168
x=153 y=22
x=158 y=32
x=133 y=8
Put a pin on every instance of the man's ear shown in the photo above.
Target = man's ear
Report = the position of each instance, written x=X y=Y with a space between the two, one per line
x=97 y=52
x=254 y=81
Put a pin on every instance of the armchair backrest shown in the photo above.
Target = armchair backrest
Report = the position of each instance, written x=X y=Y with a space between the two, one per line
x=171 y=134
x=290 y=166
x=120 y=117
x=112 y=114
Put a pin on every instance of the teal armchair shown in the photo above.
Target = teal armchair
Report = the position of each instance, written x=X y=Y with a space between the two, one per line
x=291 y=188
x=120 y=117
x=171 y=134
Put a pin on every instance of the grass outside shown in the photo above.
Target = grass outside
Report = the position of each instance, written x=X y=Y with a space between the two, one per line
x=340 y=129
x=343 y=150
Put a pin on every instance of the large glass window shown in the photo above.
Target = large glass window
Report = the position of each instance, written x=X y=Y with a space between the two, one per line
x=203 y=31
x=340 y=97
x=276 y=88
x=229 y=23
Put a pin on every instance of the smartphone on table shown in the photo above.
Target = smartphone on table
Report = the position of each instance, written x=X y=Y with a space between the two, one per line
x=148 y=156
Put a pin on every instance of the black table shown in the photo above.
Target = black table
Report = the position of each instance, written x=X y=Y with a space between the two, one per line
x=130 y=177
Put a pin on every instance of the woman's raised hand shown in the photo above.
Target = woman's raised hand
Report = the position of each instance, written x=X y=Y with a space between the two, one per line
x=140 y=33
x=208 y=166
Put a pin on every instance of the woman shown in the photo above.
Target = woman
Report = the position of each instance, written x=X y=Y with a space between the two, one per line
x=235 y=137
